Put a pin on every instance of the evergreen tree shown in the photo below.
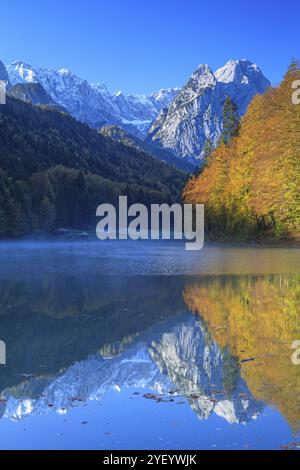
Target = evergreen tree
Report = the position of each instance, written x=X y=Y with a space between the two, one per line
x=208 y=148
x=231 y=121
x=47 y=214
x=80 y=182
x=207 y=151
x=292 y=68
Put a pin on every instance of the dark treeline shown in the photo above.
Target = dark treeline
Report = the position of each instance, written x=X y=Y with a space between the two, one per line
x=55 y=171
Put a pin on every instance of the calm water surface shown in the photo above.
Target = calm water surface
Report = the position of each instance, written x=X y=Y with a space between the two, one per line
x=142 y=345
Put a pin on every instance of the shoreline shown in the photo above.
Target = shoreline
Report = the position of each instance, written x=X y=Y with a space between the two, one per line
x=92 y=239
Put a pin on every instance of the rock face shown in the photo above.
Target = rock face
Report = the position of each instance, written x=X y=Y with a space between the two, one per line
x=92 y=103
x=195 y=114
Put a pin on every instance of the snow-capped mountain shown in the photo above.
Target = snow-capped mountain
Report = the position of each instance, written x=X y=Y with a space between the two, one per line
x=141 y=110
x=195 y=114
x=92 y=103
x=241 y=80
x=87 y=103
x=179 y=120
x=164 y=97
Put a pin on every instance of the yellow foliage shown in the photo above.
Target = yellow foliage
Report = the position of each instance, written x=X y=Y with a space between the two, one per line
x=251 y=187
x=256 y=317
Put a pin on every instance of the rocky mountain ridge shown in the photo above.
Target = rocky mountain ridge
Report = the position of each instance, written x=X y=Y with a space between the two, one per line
x=195 y=115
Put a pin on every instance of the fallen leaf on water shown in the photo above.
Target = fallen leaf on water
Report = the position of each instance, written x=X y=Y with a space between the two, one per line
x=150 y=396
x=250 y=359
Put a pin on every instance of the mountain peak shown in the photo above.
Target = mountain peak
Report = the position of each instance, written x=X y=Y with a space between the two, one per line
x=202 y=78
x=237 y=70
x=65 y=71
x=93 y=103
x=196 y=114
x=21 y=63
x=191 y=115
x=228 y=73
x=204 y=75
x=20 y=72
x=203 y=69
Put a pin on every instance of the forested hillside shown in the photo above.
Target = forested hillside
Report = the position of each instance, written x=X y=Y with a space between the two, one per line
x=251 y=185
x=55 y=171
x=120 y=135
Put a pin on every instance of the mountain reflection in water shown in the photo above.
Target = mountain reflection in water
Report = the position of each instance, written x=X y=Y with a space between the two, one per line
x=219 y=343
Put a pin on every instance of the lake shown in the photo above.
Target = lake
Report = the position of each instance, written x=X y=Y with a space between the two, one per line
x=142 y=345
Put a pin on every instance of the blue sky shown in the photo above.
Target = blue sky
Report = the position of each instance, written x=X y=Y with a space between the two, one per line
x=141 y=46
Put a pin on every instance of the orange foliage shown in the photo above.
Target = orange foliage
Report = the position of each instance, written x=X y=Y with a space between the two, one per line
x=251 y=187
x=256 y=317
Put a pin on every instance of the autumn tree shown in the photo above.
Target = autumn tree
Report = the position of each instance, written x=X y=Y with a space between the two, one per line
x=250 y=186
